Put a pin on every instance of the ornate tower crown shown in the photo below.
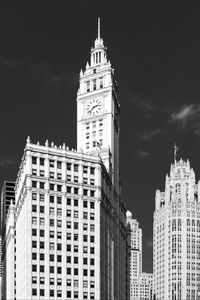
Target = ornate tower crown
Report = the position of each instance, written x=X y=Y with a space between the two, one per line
x=99 y=52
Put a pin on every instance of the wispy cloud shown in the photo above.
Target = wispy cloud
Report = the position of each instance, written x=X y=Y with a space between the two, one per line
x=148 y=135
x=185 y=114
x=141 y=154
x=142 y=102
x=6 y=162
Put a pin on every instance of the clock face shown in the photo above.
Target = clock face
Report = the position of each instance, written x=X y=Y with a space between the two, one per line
x=94 y=107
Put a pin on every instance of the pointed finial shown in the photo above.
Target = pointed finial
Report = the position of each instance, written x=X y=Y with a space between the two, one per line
x=28 y=140
x=99 y=29
x=175 y=151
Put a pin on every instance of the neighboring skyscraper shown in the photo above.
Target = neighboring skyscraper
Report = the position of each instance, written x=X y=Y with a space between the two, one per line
x=176 y=229
x=71 y=237
x=140 y=283
x=7 y=195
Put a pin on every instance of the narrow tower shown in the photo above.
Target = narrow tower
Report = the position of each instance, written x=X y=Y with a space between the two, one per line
x=98 y=110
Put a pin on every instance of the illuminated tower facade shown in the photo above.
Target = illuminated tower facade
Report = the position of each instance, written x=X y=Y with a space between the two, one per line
x=176 y=236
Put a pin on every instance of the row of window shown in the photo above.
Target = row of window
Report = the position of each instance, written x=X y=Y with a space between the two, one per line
x=58 y=164
x=94 y=84
x=59 y=294
x=58 y=188
x=52 y=269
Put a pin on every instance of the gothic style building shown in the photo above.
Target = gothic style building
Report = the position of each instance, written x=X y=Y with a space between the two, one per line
x=70 y=219
x=176 y=236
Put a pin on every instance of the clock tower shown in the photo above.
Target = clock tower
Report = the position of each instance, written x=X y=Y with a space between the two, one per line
x=98 y=110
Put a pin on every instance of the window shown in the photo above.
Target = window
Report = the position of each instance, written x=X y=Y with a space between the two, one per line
x=41 y=197
x=68 y=201
x=85 y=272
x=92 y=284
x=51 y=163
x=34 y=172
x=92 y=296
x=68 y=213
x=51 y=293
x=34 y=184
x=34 y=280
x=75 y=225
x=51 y=270
x=69 y=293
x=75 y=202
x=41 y=268
x=69 y=247
x=41 y=256
x=68 y=259
x=88 y=86
x=41 y=245
x=59 y=235
x=91 y=227
x=59 y=281
x=85 y=192
x=59 y=211
x=68 y=271
x=42 y=173
x=59 y=247
x=75 y=214
x=75 y=168
x=69 y=166
x=51 y=280
x=51 y=186
x=34 y=244
x=34 y=220
x=85 y=249
x=59 y=176
x=68 y=224
x=76 y=191
x=85 y=260
x=51 y=234
x=85 y=238
x=34 y=208
x=75 y=178
x=92 y=205
x=69 y=178
x=94 y=144
x=76 y=259
x=75 y=283
x=85 y=284
x=75 y=271
x=51 y=199
x=92 y=170
x=85 y=215
x=91 y=216
x=59 y=165
x=51 y=257
x=92 y=239
x=75 y=248
x=34 y=196
x=59 y=270
x=51 y=211
x=34 y=256
x=41 y=221
x=34 y=232
x=87 y=145
x=92 y=261
x=34 y=268
x=59 y=223
x=41 y=185
x=85 y=226
x=85 y=169
x=91 y=250
x=92 y=193
x=59 y=200
x=69 y=188
x=101 y=82
x=59 y=258
x=68 y=282
x=85 y=204
x=42 y=209
x=34 y=292
x=34 y=160
x=51 y=246
x=94 y=85
x=59 y=187
x=92 y=181
x=51 y=174
x=92 y=273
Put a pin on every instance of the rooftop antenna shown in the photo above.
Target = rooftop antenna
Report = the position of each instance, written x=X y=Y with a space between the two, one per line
x=99 y=28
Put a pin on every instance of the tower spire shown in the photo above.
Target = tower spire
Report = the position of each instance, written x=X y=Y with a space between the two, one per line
x=99 y=28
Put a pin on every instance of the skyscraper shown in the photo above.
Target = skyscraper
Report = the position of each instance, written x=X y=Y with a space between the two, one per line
x=176 y=236
x=141 y=283
x=71 y=237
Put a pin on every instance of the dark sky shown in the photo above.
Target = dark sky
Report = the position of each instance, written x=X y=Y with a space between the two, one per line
x=154 y=47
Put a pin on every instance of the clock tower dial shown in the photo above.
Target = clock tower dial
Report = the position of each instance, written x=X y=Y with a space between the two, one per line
x=93 y=107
